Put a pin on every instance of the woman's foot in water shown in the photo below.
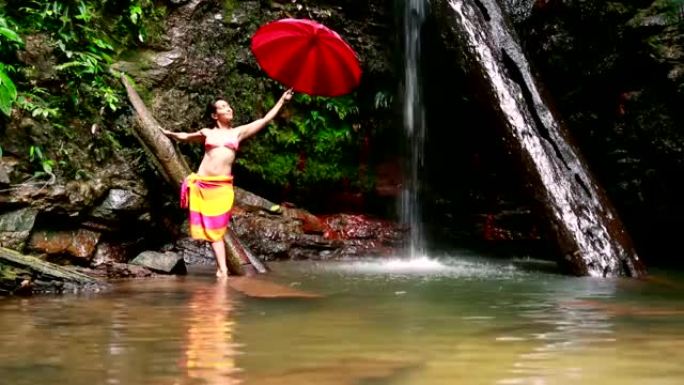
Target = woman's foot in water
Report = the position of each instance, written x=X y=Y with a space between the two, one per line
x=221 y=274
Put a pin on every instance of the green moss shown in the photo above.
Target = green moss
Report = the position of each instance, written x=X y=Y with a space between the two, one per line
x=7 y=273
x=229 y=6
x=154 y=26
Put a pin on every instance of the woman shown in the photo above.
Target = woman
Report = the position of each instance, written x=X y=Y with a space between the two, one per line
x=210 y=189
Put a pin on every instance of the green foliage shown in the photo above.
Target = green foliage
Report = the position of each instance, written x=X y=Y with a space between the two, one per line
x=86 y=35
x=674 y=9
x=8 y=91
x=9 y=39
x=44 y=164
x=34 y=103
x=316 y=145
x=79 y=39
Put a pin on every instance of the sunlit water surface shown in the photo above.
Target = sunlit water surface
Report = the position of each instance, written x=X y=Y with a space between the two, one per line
x=456 y=320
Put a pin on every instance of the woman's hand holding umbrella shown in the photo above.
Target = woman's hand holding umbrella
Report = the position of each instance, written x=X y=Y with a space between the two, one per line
x=307 y=56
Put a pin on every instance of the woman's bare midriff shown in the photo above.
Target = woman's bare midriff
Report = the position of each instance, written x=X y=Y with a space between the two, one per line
x=217 y=162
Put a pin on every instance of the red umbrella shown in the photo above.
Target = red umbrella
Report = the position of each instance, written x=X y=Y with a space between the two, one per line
x=307 y=56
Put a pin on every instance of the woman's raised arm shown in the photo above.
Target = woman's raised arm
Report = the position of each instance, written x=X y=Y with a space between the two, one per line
x=250 y=129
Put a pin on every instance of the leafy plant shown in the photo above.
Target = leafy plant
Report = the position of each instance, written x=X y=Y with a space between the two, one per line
x=316 y=145
x=80 y=39
x=8 y=91
x=46 y=165
x=34 y=103
x=87 y=34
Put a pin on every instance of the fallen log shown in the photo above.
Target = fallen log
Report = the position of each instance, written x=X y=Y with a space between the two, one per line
x=174 y=169
x=246 y=257
x=25 y=274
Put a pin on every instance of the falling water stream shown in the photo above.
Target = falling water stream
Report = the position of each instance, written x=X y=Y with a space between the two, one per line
x=414 y=126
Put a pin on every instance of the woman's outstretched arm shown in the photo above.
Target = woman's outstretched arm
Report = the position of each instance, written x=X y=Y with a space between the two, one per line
x=250 y=129
x=196 y=136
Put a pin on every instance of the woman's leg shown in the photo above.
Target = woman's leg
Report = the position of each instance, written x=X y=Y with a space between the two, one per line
x=220 y=254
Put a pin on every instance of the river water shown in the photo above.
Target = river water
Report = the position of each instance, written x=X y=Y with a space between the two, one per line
x=459 y=319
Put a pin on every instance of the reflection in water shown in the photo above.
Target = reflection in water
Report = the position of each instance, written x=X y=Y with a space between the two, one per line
x=461 y=321
x=210 y=350
x=560 y=331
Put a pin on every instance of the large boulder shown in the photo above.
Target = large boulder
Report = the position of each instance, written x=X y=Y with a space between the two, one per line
x=15 y=227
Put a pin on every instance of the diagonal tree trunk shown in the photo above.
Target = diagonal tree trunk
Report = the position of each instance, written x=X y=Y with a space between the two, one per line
x=168 y=161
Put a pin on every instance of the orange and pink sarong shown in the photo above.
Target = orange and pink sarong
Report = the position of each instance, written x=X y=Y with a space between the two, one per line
x=209 y=199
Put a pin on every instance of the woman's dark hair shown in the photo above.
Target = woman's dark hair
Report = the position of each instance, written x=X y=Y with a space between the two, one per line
x=211 y=109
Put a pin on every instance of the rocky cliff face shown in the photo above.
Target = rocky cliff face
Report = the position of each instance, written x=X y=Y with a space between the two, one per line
x=613 y=70
x=617 y=74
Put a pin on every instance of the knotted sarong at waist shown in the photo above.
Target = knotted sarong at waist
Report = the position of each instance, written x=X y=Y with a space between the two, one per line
x=209 y=199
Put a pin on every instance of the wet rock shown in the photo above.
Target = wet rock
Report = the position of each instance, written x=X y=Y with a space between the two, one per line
x=8 y=172
x=268 y=236
x=119 y=201
x=83 y=243
x=167 y=262
x=77 y=245
x=107 y=252
x=70 y=198
x=347 y=226
x=4 y=176
x=363 y=236
x=310 y=223
x=115 y=270
x=38 y=54
x=15 y=227
x=272 y=237
x=316 y=247
x=517 y=225
x=20 y=133
x=194 y=252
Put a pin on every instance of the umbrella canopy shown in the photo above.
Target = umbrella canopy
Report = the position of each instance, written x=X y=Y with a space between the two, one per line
x=306 y=56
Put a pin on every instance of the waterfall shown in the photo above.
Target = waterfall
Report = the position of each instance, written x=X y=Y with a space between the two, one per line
x=414 y=126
